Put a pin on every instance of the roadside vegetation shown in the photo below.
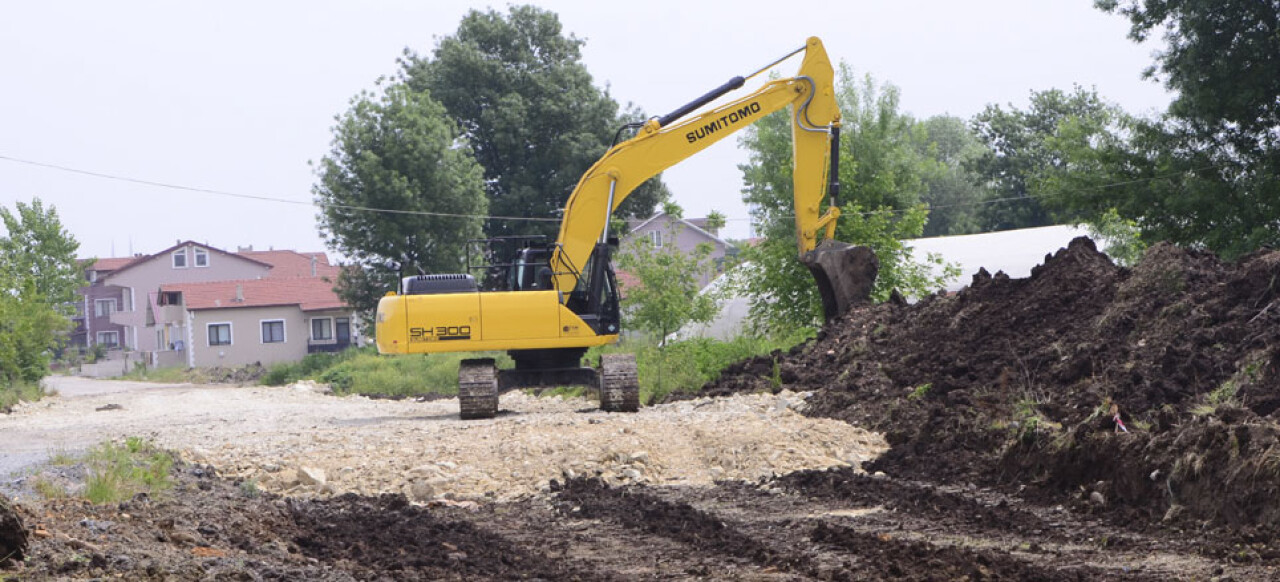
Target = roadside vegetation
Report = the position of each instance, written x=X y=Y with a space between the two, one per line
x=680 y=366
x=38 y=280
x=174 y=375
x=114 y=471
x=11 y=394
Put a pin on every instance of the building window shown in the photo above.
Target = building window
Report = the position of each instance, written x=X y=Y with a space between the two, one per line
x=103 y=307
x=219 y=334
x=655 y=236
x=342 y=327
x=202 y=257
x=110 y=339
x=273 y=331
x=322 y=328
x=180 y=259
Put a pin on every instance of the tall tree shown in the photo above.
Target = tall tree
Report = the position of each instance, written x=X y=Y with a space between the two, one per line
x=39 y=249
x=1208 y=173
x=1223 y=60
x=953 y=190
x=400 y=153
x=882 y=181
x=516 y=86
x=39 y=275
x=1019 y=153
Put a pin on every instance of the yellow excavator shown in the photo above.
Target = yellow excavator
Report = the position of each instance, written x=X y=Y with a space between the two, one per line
x=547 y=303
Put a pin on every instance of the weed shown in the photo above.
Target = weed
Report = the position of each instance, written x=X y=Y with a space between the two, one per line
x=249 y=488
x=920 y=392
x=62 y=458
x=119 y=471
x=11 y=394
x=171 y=375
x=1223 y=394
x=49 y=489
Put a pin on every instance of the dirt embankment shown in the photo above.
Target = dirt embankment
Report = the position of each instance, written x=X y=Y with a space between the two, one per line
x=1148 y=393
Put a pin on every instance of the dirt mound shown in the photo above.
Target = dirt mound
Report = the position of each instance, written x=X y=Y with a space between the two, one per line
x=1150 y=393
x=13 y=535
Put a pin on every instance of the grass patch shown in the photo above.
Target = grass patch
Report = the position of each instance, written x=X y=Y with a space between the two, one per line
x=685 y=366
x=364 y=371
x=62 y=458
x=677 y=367
x=48 y=489
x=118 y=471
x=13 y=393
x=1223 y=394
x=170 y=375
x=920 y=391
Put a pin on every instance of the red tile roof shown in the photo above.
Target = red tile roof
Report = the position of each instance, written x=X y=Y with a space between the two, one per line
x=293 y=263
x=308 y=293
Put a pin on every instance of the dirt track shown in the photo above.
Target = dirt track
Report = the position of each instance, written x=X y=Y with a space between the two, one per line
x=1088 y=422
x=666 y=522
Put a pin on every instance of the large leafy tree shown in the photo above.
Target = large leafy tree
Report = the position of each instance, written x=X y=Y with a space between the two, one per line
x=1208 y=173
x=1222 y=58
x=953 y=191
x=1019 y=153
x=37 y=248
x=39 y=275
x=882 y=175
x=516 y=86
x=402 y=154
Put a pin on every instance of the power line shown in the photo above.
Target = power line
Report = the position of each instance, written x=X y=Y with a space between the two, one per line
x=259 y=197
x=523 y=218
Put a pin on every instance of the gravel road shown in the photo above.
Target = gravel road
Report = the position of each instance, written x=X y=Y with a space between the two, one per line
x=299 y=441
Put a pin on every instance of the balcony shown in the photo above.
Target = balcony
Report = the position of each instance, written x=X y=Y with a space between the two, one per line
x=327 y=346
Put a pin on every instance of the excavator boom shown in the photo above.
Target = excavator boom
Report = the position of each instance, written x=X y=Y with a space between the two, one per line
x=843 y=276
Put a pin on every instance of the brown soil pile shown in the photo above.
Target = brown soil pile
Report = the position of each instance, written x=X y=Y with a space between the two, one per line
x=13 y=535
x=1148 y=393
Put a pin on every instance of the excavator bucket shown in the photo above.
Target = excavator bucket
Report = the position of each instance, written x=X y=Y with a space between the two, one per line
x=845 y=275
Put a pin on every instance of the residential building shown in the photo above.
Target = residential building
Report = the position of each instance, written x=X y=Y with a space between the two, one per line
x=663 y=231
x=233 y=323
x=93 y=325
x=196 y=305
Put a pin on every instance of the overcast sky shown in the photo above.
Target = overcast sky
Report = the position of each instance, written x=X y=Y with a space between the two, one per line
x=237 y=96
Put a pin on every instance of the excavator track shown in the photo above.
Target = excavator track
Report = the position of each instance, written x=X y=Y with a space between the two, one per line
x=478 y=388
x=619 y=383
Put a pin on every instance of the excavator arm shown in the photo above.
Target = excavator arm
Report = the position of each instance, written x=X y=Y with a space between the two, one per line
x=665 y=142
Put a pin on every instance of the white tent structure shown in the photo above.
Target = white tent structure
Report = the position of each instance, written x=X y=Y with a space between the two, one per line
x=1015 y=252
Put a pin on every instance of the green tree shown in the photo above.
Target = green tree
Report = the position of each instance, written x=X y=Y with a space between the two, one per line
x=517 y=88
x=664 y=294
x=953 y=191
x=39 y=248
x=1207 y=174
x=401 y=153
x=1019 y=153
x=715 y=221
x=39 y=275
x=882 y=168
x=1172 y=184
x=1222 y=59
